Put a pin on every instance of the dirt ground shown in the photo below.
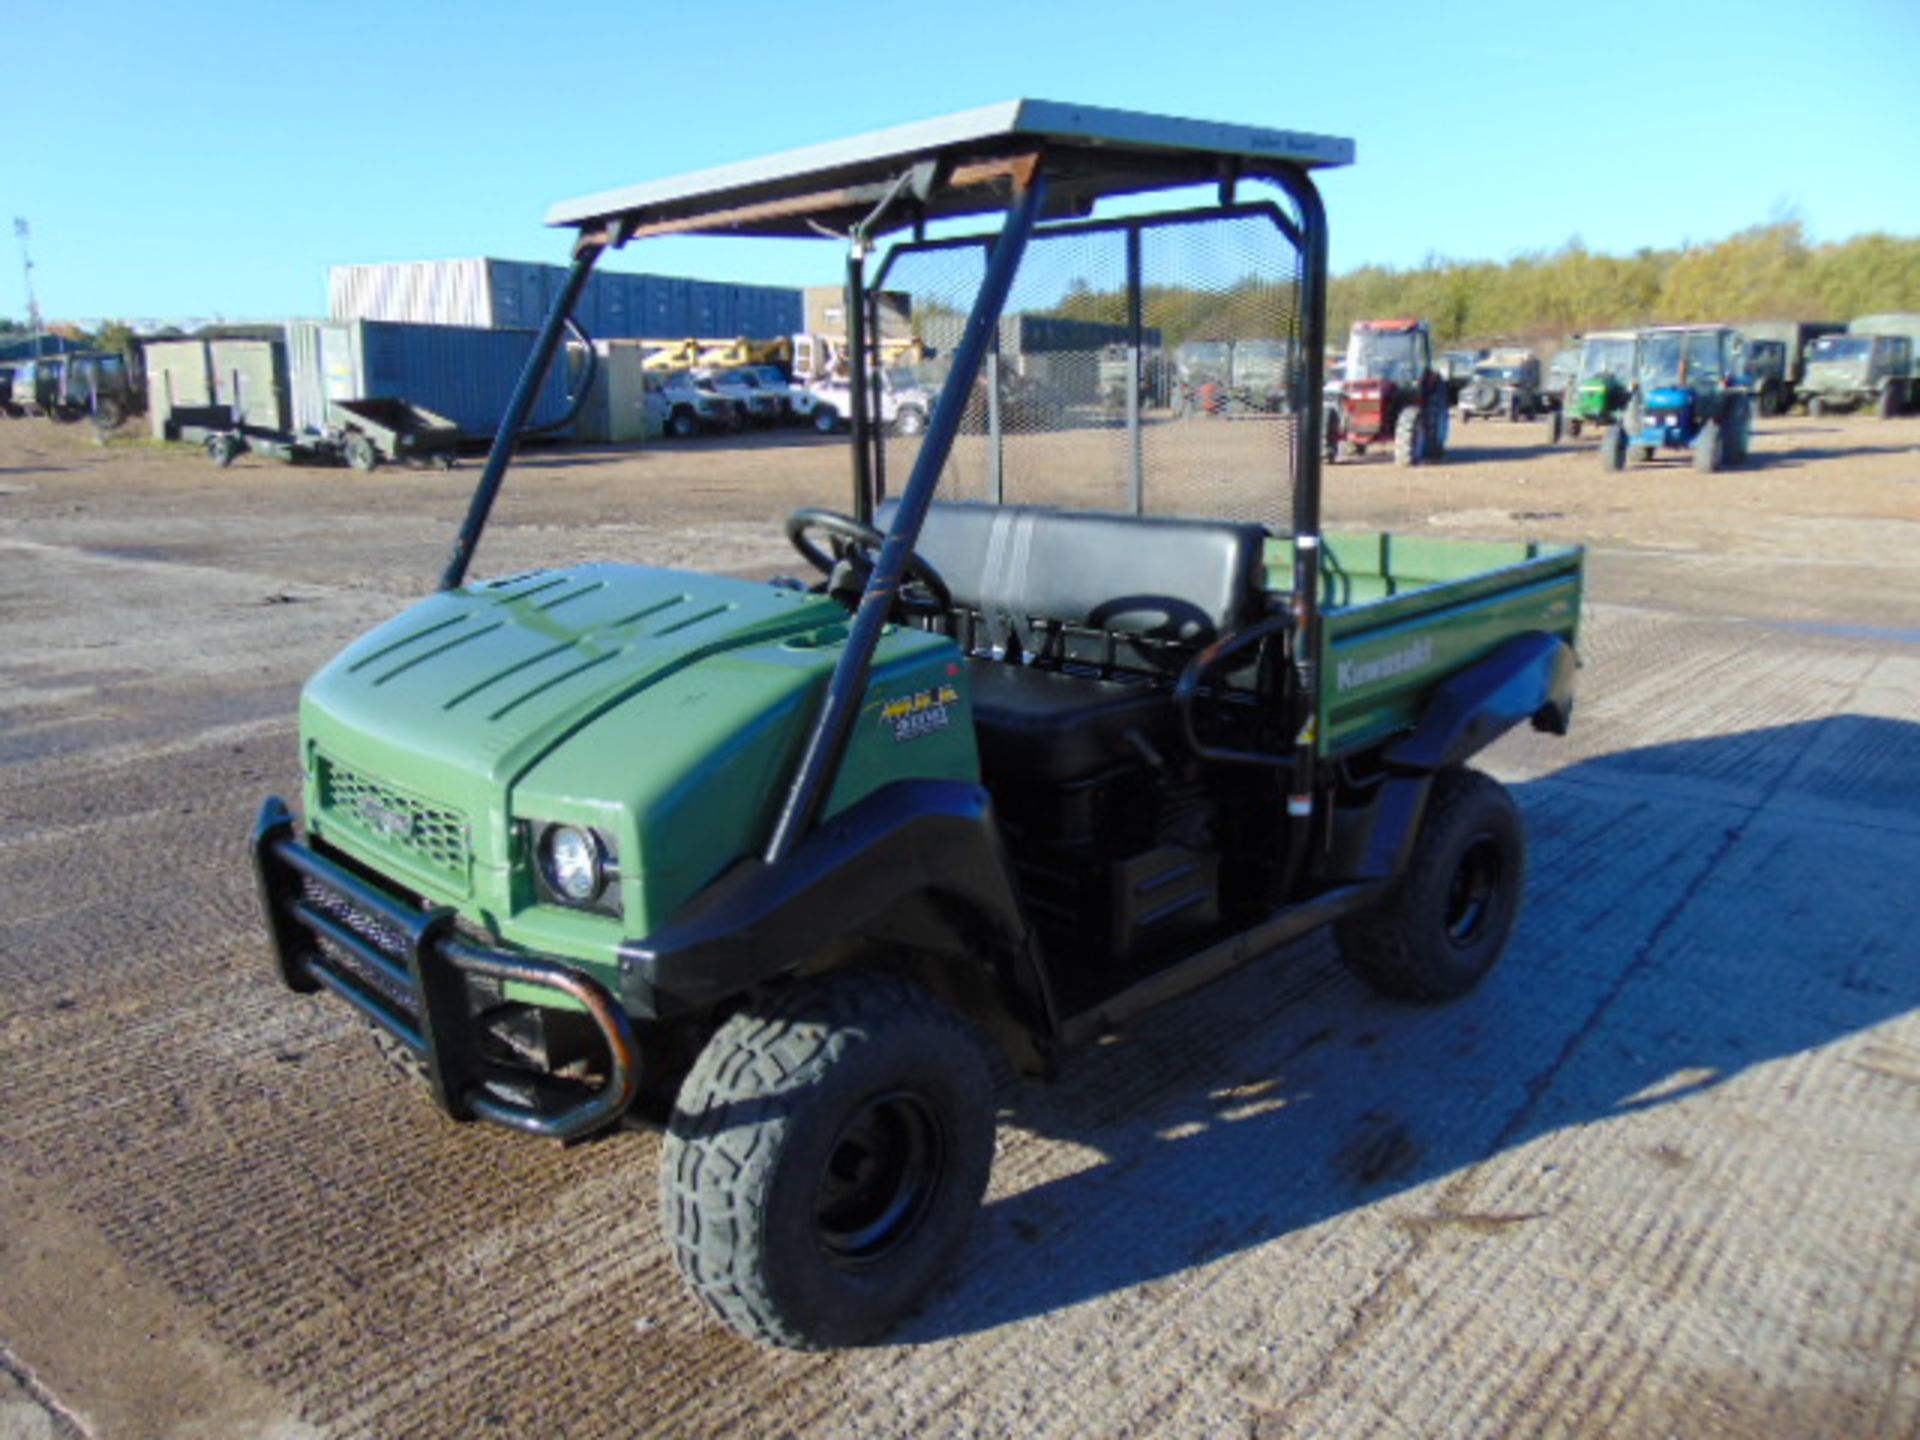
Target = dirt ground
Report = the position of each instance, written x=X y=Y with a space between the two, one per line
x=1659 y=1176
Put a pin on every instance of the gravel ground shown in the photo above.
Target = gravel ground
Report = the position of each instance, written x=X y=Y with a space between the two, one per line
x=1659 y=1176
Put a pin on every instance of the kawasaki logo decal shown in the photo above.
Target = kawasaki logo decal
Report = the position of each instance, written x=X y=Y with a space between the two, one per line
x=1353 y=673
x=391 y=824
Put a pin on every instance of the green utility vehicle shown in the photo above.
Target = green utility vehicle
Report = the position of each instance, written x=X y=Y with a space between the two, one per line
x=1859 y=372
x=1066 y=725
x=1601 y=388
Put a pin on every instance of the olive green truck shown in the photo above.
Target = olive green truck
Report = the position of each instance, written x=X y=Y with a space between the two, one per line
x=765 y=865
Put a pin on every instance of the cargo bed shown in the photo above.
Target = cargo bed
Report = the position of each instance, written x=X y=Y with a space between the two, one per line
x=1404 y=613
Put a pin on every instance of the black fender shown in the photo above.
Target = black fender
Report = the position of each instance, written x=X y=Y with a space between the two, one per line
x=1529 y=678
x=930 y=841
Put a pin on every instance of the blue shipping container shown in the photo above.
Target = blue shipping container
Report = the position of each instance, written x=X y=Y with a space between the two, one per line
x=465 y=374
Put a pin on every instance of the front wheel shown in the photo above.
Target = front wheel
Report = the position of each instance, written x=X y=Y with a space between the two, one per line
x=825 y=1157
x=826 y=420
x=1409 y=438
x=1448 y=919
x=683 y=424
x=911 y=420
x=1555 y=427
x=1710 y=448
x=1816 y=407
x=1613 y=450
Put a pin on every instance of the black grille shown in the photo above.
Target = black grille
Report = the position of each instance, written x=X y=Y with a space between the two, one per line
x=376 y=932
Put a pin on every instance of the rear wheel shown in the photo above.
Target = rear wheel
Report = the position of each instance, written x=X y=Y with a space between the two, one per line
x=359 y=452
x=1886 y=409
x=1816 y=407
x=1555 y=427
x=910 y=420
x=826 y=419
x=1448 y=919
x=825 y=1157
x=221 y=449
x=683 y=424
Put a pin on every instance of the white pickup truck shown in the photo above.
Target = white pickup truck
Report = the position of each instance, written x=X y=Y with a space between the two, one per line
x=903 y=402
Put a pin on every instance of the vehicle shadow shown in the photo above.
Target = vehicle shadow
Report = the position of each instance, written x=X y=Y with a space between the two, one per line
x=1667 y=948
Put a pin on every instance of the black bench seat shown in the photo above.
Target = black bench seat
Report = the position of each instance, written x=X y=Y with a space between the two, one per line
x=1079 y=623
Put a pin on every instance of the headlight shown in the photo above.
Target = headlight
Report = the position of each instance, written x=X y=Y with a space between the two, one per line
x=577 y=866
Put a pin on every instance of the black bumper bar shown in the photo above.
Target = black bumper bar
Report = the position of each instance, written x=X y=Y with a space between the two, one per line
x=406 y=969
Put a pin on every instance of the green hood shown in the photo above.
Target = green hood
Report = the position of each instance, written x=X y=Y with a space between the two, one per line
x=662 y=707
x=413 y=734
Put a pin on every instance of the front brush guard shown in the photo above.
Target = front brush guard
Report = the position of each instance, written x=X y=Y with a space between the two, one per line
x=405 y=969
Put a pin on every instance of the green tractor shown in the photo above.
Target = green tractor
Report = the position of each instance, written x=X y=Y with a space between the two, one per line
x=766 y=865
x=1601 y=389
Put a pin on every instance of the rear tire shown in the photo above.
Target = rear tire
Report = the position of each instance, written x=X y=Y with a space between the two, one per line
x=359 y=452
x=1816 y=407
x=910 y=421
x=1886 y=409
x=1555 y=428
x=1448 y=919
x=683 y=424
x=824 y=1159
x=826 y=420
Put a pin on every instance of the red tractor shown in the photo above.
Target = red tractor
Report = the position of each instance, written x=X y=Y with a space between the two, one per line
x=1391 y=394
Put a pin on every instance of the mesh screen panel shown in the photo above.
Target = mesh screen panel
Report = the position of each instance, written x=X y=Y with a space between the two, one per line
x=1190 y=325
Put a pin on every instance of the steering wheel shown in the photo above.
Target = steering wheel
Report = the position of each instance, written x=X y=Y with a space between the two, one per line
x=855 y=546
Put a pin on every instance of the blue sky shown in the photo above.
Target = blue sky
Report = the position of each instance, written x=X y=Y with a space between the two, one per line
x=215 y=159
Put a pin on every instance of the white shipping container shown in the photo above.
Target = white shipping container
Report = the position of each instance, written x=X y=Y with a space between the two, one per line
x=516 y=295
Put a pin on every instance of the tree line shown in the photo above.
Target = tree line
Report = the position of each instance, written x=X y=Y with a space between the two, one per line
x=1768 y=272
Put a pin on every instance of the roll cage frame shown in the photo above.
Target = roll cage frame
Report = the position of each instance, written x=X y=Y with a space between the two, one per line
x=1030 y=161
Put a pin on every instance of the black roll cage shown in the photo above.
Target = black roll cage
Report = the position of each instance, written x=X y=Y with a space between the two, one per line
x=904 y=203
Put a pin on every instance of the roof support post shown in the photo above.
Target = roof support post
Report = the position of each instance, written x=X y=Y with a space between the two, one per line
x=586 y=252
x=819 y=767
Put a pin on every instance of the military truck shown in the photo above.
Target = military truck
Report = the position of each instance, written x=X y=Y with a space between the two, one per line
x=766 y=864
x=1777 y=391
x=1858 y=372
x=1506 y=383
x=1907 y=325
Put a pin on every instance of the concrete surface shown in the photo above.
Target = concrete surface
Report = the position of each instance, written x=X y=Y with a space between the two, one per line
x=1657 y=1177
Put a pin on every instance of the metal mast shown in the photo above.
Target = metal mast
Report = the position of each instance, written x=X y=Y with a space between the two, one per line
x=21 y=231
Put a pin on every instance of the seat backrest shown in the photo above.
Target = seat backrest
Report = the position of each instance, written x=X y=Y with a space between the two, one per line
x=1181 y=582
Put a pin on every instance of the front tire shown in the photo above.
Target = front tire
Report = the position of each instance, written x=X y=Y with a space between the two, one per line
x=1409 y=438
x=1613 y=450
x=1710 y=448
x=826 y=420
x=825 y=1157
x=1448 y=919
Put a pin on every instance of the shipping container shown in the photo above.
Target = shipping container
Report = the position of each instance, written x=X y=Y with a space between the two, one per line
x=178 y=377
x=250 y=379
x=464 y=373
x=515 y=295
x=824 y=311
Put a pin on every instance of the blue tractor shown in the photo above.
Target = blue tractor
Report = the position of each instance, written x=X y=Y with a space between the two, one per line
x=1691 y=392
